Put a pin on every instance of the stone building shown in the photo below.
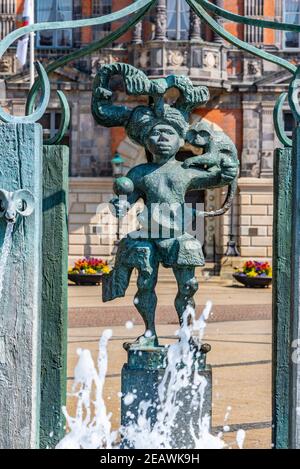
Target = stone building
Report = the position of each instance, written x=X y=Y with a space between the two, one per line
x=171 y=39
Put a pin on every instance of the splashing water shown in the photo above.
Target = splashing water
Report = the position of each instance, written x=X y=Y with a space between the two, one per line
x=182 y=372
x=89 y=432
x=5 y=253
x=240 y=438
x=91 y=427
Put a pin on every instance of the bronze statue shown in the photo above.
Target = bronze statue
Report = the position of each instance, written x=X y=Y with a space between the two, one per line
x=164 y=180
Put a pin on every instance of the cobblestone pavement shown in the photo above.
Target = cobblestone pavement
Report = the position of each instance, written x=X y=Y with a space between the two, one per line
x=230 y=302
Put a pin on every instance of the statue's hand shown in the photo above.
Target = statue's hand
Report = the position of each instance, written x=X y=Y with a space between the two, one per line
x=201 y=162
x=229 y=169
x=119 y=207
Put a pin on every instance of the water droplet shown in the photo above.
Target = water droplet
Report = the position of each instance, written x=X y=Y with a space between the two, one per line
x=129 y=325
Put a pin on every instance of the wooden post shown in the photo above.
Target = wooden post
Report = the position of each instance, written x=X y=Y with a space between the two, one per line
x=21 y=168
x=55 y=293
x=294 y=426
x=282 y=252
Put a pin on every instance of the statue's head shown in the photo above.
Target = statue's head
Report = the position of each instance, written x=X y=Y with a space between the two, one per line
x=160 y=128
x=161 y=133
x=163 y=142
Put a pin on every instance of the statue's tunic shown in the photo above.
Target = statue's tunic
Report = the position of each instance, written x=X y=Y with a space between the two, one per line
x=145 y=254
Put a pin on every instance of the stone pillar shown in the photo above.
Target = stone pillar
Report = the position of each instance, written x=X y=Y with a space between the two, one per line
x=141 y=377
x=216 y=38
x=252 y=136
x=137 y=34
x=267 y=144
x=161 y=21
x=20 y=305
x=195 y=27
x=55 y=293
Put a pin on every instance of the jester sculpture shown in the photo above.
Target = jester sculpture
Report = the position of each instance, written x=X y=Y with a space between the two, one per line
x=162 y=130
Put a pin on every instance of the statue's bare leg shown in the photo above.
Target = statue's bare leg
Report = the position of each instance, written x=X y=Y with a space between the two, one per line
x=145 y=302
x=187 y=288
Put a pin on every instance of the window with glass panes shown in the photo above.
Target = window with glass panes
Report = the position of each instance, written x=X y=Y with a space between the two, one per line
x=289 y=123
x=291 y=15
x=101 y=8
x=178 y=14
x=254 y=34
x=50 y=123
x=54 y=10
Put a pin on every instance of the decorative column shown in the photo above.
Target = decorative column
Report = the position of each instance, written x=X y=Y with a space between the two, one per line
x=216 y=37
x=137 y=34
x=161 y=21
x=195 y=27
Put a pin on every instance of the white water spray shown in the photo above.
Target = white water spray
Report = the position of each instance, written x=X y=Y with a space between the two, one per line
x=5 y=253
x=182 y=373
x=91 y=427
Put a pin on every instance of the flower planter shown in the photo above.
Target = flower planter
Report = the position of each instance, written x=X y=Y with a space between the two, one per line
x=86 y=279
x=253 y=282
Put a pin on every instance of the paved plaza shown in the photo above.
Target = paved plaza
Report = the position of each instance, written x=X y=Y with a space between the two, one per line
x=240 y=356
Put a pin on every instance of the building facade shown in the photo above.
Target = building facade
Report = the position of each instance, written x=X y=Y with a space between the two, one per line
x=171 y=39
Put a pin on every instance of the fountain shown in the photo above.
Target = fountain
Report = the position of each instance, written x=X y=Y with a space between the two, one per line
x=90 y=428
x=176 y=380
x=162 y=130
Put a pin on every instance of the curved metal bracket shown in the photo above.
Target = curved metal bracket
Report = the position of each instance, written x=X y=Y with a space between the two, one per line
x=44 y=101
x=14 y=204
x=294 y=91
x=64 y=123
x=54 y=26
x=250 y=21
x=200 y=6
x=94 y=46
x=279 y=123
x=65 y=118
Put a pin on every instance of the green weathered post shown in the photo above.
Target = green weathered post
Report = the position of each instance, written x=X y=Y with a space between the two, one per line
x=19 y=326
x=21 y=169
x=55 y=293
x=294 y=422
x=282 y=253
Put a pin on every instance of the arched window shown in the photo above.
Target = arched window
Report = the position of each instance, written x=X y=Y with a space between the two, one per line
x=178 y=19
x=54 y=10
x=291 y=14
x=101 y=8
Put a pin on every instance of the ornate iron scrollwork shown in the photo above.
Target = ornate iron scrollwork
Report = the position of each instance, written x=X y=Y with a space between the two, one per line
x=14 y=204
